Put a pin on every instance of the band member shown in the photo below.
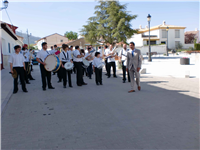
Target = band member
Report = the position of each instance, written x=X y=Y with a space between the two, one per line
x=98 y=72
x=122 y=57
x=71 y=51
x=78 y=64
x=28 y=57
x=51 y=48
x=89 y=56
x=84 y=70
x=24 y=51
x=111 y=62
x=100 y=51
x=134 y=65
x=65 y=57
x=16 y=61
x=106 y=59
x=41 y=55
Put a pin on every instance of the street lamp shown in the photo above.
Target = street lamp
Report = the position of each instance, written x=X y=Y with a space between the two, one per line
x=5 y=5
x=149 y=19
x=167 y=40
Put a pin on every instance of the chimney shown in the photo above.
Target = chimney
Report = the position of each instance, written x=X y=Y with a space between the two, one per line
x=196 y=29
x=146 y=27
x=140 y=26
x=164 y=23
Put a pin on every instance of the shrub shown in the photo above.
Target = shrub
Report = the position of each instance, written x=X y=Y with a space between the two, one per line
x=179 y=46
x=191 y=48
x=197 y=46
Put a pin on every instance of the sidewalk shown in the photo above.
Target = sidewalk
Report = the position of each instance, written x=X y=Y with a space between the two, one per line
x=6 y=87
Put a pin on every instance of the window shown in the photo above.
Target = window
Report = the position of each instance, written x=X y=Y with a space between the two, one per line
x=9 y=48
x=61 y=40
x=177 y=43
x=163 y=42
x=164 y=34
x=151 y=42
x=177 y=33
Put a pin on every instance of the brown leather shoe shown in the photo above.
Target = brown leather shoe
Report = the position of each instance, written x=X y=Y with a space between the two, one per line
x=131 y=91
x=139 y=88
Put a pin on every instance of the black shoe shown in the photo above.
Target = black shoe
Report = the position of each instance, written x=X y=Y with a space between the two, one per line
x=101 y=84
x=28 y=83
x=32 y=79
x=90 y=78
x=84 y=84
x=79 y=84
x=115 y=76
x=71 y=86
x=44 y=89
x=64 y=86
x=25 y=91
x=14 y=92
x=97 y=83
x=59 y=81
x=51 y=87
x=108 y=76
x=124 y=81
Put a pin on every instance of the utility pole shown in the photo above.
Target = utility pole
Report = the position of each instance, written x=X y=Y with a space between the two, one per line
x=28 y=39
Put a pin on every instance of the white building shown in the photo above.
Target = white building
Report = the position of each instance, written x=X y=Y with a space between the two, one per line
x=158 y=35
x=8 y=40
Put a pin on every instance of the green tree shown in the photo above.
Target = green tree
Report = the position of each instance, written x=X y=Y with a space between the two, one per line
x=111 y=23
x=31 y=46
x=71 y=35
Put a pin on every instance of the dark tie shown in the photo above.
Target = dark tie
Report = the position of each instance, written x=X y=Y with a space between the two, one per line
x=133 y=53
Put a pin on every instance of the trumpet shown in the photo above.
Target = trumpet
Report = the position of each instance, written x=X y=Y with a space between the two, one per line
x=113 y=52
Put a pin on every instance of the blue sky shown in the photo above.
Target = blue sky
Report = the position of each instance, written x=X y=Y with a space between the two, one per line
x=45 y=18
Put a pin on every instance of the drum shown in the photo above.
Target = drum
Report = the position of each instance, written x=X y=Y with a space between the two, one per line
x=69 y=66
x=53 y=63
x=100 y=66
x=85 y=63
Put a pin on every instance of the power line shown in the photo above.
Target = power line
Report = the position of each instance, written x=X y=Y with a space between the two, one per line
x=8 y=17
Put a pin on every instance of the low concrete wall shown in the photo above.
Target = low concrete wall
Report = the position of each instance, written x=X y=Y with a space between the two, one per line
x=186 y=46
x=160 y=49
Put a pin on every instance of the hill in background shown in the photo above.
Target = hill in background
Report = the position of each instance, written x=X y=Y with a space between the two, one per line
x=32 y=39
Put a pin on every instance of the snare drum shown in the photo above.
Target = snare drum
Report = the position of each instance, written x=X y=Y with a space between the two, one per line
x=53 y=63
x=69 y=66
x=85 y=63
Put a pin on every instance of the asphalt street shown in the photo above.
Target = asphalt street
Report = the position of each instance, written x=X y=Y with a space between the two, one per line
x=100 y=117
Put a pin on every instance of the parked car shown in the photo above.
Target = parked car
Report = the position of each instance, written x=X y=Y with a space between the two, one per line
x=34 y=57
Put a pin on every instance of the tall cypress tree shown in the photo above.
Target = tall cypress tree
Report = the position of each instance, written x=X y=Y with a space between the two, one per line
x=111 y=23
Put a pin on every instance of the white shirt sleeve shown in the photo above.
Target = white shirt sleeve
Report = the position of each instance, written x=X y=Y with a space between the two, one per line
x=120 y=53
x=69 y=55
x=38 y=55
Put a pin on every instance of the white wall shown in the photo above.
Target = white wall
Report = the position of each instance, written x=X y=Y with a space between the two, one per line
x=137 y=39
x=6 y=38
x=160 y=49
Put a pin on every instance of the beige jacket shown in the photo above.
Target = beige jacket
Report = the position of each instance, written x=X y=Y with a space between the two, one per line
x=135 y=61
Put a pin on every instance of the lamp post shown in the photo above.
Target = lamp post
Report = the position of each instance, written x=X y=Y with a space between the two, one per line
x=167 y=41
x=149 y=19
x=5 y=5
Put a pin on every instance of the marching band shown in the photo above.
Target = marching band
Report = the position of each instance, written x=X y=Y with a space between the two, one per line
x=67 y=61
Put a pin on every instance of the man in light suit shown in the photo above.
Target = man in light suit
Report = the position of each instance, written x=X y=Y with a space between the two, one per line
x=134 y=65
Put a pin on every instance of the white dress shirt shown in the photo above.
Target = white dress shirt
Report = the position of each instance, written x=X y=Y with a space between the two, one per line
x=65 y=58
x=123 y=54
x=76 y=53
x=17 y=60
x=96 y=61
x=87 y=54
x=108 y=51
x=100 y=51
x=53 y=51
x=42 y=54
x=27 y=57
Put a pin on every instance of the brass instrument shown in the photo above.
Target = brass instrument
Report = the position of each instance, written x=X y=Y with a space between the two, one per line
x=30 y=58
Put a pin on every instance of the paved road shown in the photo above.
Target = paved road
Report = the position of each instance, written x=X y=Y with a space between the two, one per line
x=102 y=117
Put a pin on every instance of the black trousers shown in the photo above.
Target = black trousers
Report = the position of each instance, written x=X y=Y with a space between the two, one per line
x=20 y=72
x=59 y=74
x=124 y=73
x=66 y=73
x=113 y=65
x=28 y=70
x=106 y=65
x=90 y=70
x=98 y=75
x=45 y=75
x=79 y=73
